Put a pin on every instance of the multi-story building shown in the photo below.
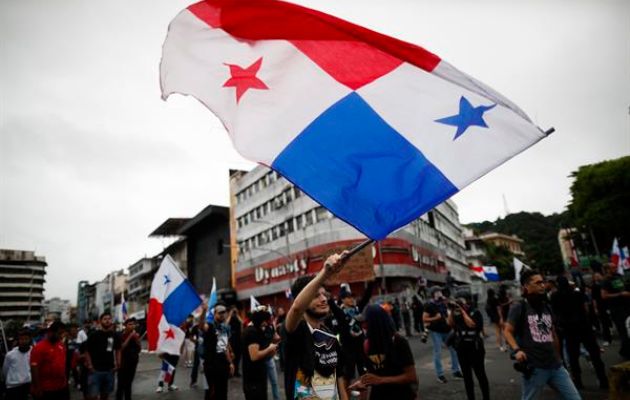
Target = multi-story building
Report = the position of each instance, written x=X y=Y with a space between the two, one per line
x=476 y=245
x=58 y=309
x=139 y=284
x=86 y=302
x=201 y=248
x=279 y=233
x=511 y=242
x=22 y=278
x=475 y=248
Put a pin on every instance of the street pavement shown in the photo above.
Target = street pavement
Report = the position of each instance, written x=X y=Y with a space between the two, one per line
x=504 y=380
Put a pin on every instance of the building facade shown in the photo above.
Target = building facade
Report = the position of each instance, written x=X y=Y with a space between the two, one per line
x=86 y=298
x=22 y=278
x=476 y=245
x=201 y=248
x=57 y=308
x=139 y=284
x=279 y=233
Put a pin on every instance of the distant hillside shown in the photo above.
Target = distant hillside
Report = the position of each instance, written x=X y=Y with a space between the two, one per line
x=539 y=232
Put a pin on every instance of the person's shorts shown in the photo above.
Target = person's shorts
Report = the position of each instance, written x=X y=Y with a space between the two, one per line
x=100 y=382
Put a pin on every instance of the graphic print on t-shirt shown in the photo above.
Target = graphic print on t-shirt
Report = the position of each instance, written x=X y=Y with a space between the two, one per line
x=323 y=384
x=540 y=328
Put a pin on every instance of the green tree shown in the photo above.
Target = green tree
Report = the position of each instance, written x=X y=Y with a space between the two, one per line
x=540 y=236
x=601 y=201
x=501 y=258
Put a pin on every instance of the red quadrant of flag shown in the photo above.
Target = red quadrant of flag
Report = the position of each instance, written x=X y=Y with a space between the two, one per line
x=351 y=54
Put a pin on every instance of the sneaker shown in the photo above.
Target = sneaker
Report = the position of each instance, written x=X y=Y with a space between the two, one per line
x=159 y=389
x=193 y=384
x=172 y=388
x=606 y=344
x=458 y=375
x=442 y=379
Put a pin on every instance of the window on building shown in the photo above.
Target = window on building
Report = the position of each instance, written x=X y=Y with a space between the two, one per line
x=288 y=226
x=321 y=214
x=308 y=218
x=299 y=222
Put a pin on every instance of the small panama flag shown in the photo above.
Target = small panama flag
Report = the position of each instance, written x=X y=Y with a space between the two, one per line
x=123 y=308
x=478 y=272
x=167 y=372
x=253 y=303
x=491 y=273
x=212 y=301
x=617 y=257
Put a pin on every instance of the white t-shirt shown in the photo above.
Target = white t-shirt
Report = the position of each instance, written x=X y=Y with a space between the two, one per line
x=16 y=369
x=81 y=336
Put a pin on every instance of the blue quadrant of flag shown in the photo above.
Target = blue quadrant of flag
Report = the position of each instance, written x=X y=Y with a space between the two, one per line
x=362 y=169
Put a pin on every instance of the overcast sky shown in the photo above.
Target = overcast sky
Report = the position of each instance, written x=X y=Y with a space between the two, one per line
x=92 y=160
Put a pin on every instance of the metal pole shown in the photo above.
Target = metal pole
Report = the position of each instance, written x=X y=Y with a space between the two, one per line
x=590 y=229
x=4 y=338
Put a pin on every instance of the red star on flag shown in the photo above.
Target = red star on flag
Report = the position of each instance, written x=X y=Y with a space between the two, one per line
x=170 y=334
x=245 y=79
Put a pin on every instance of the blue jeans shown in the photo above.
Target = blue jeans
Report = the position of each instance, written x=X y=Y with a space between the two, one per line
x=557 y=378
x=437 y=339
x=100 y=382
x=273 y=377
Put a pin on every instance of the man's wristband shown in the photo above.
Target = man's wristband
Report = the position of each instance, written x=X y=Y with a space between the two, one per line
x=516 y=350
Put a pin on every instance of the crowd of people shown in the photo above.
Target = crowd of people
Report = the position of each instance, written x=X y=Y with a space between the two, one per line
x=342 y=347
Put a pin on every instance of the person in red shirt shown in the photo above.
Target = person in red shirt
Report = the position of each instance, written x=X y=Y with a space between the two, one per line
x=48 y=366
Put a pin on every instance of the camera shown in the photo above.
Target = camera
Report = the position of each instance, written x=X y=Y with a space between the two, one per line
x=524 y=368
x=424 y=336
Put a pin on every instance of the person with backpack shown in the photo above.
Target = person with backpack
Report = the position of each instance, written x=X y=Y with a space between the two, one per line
x=530 y=331
x=467 y=324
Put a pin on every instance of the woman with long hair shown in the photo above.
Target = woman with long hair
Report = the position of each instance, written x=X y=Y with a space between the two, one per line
x=492 y=309
x=389 y=361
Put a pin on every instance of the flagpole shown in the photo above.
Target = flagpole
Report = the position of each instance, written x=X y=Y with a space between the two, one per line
x=357 y=249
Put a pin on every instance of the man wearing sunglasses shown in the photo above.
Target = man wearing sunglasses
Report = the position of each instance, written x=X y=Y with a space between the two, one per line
x=530 y=332
x=218 y=356
x=313 y=365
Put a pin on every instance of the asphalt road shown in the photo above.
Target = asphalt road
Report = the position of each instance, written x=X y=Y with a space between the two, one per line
x=504 y=381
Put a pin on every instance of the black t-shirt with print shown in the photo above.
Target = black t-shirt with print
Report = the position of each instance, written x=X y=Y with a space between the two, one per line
x=382 y=365
x=309 y=353
x=534 y=332
x=102 y=345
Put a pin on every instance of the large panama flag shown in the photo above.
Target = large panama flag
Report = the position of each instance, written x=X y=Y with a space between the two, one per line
x=173 y=298
x=375 y=129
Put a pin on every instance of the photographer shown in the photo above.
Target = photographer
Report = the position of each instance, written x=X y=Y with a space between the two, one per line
x=529 y=330
x=434 y=317
x=467 y=324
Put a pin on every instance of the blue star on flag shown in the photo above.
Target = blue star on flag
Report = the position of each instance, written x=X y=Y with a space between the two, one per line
x=167 y=280
x=468 y=116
